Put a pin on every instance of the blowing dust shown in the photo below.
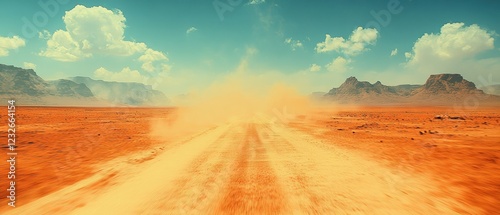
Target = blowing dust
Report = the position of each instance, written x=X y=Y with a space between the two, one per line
x=238 y=97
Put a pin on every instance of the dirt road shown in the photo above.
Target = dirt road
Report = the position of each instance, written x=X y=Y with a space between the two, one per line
x=248 y=167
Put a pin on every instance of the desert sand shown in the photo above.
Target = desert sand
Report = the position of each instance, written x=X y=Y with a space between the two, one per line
x=350 y=160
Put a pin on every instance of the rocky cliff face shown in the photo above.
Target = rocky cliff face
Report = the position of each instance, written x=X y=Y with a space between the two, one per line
x=447 y=84
x=17 y=81
x=30 y=89
x=121 y=93
x=25 y=82
x=444 y=88
x=353 y=87
x=65 y=87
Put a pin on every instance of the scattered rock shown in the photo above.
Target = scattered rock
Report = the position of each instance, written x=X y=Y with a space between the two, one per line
x=30 y=142
x=441 y=117
x=421 y=133
x=456 y=117
x=428 y=145
x=432 y=132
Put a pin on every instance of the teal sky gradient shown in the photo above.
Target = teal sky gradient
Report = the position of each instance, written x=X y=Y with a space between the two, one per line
x=218 y=45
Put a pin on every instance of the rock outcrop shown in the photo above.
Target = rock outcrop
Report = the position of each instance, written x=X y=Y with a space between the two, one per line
x=438 y=89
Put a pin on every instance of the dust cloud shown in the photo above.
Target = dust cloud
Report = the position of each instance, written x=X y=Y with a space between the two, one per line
x=238 y=96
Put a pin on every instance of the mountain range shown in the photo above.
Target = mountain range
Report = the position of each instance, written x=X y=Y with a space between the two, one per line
x=28 y=88
x=438 y=89
x=128 y=93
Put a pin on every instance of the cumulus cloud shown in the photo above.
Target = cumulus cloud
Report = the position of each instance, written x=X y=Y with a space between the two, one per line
x=394 y=52
x=89 y=31
x=151 y=56
x=456 y=48
x=28 y=65
x=125 y=75
x=315 y=68
x=294 y=44
x=454 y=42
x=452 y=50
x=191 y=30
x=10 y=43
x=356 y=44
x=338 y=65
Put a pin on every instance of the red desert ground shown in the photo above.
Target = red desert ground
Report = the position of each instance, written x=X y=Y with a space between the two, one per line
x=360 y=149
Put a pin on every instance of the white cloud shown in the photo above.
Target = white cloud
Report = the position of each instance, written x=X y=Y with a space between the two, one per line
x=356 y=44
x=149 y=57
x=451 y=50
x=10 y=43
x=294 y=43
x=394 y=52
x=454 y=43
x=89 y=31
x=191 y=30
x=315 y=68
x=338 y=65
x=28 y=65
x=456 y=49
x=408 y=55
x=125 y=75
x=256 y=1
x=44 y=35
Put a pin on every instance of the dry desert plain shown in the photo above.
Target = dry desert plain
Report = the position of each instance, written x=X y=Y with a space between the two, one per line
x=350 y=160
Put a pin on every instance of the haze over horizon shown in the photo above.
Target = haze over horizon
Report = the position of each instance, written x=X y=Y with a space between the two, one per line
x=189 y=45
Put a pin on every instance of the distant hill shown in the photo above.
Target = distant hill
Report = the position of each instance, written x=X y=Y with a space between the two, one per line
x=438 y=89
x=353 y=87
x=65 y=87
x=18 y=81
x=28 y=88
x=447 y=84
x=354 y=91
x=127 y=93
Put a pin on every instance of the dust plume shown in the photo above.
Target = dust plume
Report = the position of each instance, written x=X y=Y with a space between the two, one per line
x=237 y=97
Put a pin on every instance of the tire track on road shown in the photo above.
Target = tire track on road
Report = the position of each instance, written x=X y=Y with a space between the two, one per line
x=202 y=182
x=253 y=188
x=139 y=191
x=293 y=167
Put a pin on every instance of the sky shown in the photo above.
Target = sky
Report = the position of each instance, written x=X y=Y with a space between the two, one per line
x=178 y=46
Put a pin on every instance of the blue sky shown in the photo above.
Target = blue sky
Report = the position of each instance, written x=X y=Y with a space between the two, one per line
x=181 y=45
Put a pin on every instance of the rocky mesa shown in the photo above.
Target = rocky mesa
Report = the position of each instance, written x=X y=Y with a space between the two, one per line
x=441 y=89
